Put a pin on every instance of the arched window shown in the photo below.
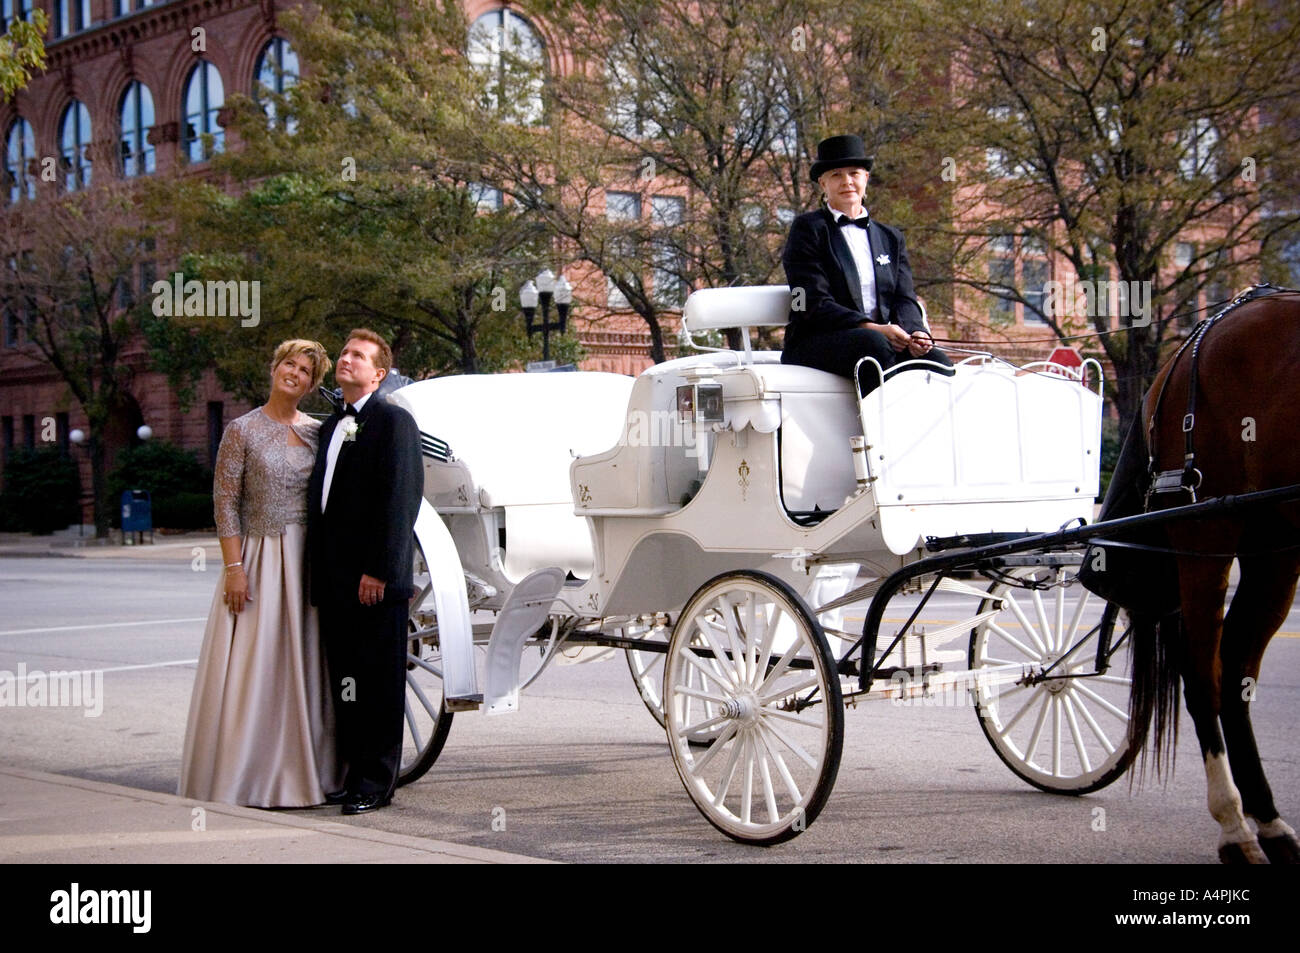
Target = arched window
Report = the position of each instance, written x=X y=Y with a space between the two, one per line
x=137 y=119
x=74 y=146
x=20 y=149
x=508 y=52
x=204 y=97
x=276 y=71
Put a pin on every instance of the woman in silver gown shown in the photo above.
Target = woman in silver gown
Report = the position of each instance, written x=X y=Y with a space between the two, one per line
x=260 y=725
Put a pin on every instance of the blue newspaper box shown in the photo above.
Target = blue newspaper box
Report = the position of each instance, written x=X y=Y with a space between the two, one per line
x=137 y=513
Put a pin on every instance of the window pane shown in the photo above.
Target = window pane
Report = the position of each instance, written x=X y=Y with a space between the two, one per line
x=1034 y=272
x=622 y=206
x=137 y=115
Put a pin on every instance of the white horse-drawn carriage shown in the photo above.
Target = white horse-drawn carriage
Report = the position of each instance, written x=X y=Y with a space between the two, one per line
x=727 y=520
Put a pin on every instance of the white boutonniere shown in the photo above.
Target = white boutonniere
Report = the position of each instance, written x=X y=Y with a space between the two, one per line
x=350 y=429
x=882 y=259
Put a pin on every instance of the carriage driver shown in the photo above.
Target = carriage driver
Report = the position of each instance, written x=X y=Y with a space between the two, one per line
x=858 y=299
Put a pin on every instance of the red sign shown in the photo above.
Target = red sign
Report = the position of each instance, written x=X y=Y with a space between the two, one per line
x=1066 y=357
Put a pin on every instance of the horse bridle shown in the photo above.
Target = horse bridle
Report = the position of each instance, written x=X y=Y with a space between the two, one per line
x=1188 y=479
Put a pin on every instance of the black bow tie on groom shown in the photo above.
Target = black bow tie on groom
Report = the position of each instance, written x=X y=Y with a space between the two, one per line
x=349 y=411
x=844 y=221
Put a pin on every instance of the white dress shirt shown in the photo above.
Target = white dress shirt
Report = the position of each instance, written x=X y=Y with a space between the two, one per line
x=860 y=248
x=332 y=453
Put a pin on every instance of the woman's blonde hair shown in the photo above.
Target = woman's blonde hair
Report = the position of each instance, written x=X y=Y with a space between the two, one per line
x=314 y=351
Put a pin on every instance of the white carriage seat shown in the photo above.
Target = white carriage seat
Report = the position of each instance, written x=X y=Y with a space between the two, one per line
x=816 y=410
x=514 y=437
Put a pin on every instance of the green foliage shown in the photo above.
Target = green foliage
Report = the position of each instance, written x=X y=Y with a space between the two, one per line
x=42 y=491
x=183 y=511
x=162 y=468
x=180 y=487
x=22 y=51
x=355 y=208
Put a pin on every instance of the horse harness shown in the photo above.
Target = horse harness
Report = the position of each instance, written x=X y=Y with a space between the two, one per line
x=1188 y=479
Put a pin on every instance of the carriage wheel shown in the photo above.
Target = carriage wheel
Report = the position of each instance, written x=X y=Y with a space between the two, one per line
x=647 y=668
x=1061 y=734
x=747 y=647
x=426 y=721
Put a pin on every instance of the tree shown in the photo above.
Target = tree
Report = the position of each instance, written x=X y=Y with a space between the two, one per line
x=706 y=112
x=1149 y=141
x=71 y=277
x=352 y=206
x=22 y=51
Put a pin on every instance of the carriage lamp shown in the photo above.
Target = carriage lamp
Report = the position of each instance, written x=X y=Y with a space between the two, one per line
x=544 y=289
x=700 y=403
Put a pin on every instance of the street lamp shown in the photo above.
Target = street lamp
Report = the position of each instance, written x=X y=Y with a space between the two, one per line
x=77 y=438
x=545 y=289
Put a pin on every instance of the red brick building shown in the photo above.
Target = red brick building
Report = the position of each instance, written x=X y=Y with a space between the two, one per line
x=134 y=88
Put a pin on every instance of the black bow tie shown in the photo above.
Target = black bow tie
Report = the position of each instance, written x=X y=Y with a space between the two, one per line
x=349 y=411
x=844 y=221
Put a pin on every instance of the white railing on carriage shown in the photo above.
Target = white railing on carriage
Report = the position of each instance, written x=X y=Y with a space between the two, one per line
x=768 y=306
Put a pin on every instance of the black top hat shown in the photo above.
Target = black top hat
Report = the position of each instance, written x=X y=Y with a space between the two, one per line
x=837 y=152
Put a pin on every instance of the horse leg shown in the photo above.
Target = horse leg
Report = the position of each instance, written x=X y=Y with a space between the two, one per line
x=1258 y=609
x=1203 y=584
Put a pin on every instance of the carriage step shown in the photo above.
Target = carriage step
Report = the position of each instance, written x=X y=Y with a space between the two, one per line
x=465 y=703
x=524 y=612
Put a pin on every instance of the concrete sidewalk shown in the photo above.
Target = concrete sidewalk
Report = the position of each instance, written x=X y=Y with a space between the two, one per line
x=68 y=542
x=52 y=818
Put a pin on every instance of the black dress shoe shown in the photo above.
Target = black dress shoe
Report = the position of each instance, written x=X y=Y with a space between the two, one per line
x=360 y=803
x=337 y=797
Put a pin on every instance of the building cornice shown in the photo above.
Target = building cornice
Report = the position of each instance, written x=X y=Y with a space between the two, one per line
x=120 y=34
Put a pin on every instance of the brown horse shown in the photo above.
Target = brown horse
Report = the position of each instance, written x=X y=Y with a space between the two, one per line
x=1243 y=437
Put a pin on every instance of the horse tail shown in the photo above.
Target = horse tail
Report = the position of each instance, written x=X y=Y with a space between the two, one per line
x=1154 y=702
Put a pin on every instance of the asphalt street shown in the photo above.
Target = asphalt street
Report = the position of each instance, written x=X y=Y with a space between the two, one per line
x=582 y=772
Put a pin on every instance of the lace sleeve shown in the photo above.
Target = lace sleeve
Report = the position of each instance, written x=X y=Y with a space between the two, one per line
x=228 y=481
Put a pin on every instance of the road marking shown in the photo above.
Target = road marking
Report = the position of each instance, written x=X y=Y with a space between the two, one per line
x=103 y=625
x=9 y=677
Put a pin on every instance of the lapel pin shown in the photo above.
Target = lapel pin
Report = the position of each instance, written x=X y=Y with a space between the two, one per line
x=882 y=259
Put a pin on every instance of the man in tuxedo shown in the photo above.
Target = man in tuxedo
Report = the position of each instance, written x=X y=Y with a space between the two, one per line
x=850 y=279
x=362 y=502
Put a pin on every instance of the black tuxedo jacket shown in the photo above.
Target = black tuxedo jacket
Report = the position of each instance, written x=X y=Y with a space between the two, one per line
x=368 y=527
x=817 y=260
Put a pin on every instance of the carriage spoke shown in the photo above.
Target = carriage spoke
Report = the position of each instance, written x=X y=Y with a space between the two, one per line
x=729 y=774
x=1056 y=735
x=1013 y=641
x=1117 y=712
x=786 y=778
x=726 y=670
x=1038 y=726
x=1025 y=624
x=704 y=666
x=688 y=730
x=1077 y=619
x=696 y=693
x=746 y=798
x=783 y=690
x=1044 y=627
x=1097 y=731
x=739 y=662
x=769 y=794
x=415 y=729
x=793 y=717
x=719 y=743
x=1074 y=733
x=798 y=752
x=779 y=669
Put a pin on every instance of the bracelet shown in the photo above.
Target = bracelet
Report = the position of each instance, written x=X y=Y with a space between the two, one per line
x=234 y=565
